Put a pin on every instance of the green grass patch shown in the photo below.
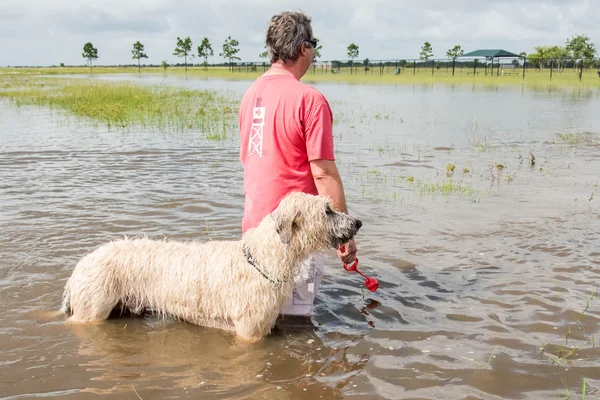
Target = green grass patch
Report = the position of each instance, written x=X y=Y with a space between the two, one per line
x=358 y=76
x=127 y=105
x=445 y=187
x=574 y=139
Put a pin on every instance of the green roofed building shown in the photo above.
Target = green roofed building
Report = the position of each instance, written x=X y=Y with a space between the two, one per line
x=491 y=53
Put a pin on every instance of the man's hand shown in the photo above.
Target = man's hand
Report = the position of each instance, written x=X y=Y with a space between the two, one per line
x=347 y=252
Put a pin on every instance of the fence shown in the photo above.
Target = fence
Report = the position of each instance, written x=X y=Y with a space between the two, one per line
x=474 y=67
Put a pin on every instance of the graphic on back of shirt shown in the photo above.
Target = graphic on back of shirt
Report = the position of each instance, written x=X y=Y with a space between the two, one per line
x=255 y=143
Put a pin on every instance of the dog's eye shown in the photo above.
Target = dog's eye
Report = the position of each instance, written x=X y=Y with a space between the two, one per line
x=328 y=210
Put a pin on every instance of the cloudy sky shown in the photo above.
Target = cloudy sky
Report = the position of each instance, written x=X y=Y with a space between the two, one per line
x=48 y=32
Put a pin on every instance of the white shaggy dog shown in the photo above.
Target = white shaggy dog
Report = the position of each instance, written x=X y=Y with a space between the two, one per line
x=238 y=286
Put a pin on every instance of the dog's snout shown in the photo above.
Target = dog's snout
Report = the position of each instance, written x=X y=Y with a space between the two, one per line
x=358 y=223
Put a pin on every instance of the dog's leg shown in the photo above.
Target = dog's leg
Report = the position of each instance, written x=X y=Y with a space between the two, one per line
x=246 y=331
x=251 y=331
x=245 y=339
x=95 y=309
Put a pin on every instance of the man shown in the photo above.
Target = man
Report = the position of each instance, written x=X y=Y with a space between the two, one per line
x=286 y=143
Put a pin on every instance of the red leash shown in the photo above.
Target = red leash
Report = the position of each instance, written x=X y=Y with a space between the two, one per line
x=370 y=283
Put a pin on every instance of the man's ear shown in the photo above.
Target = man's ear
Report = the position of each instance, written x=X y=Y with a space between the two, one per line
x=303 y=50
x=284 y=224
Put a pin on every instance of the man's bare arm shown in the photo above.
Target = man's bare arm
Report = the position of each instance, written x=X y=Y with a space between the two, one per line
x=329 y=183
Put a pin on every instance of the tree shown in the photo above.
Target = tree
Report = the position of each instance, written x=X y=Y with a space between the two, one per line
x=164 y=64
x=230 y=50
x=205 y=50
x=352 y=54
x=454 y=52
x=366 y=64
x=90 y=53
x=580 y=47
x=352 y=51
x=540 y=57
x=560 y=55
x=138 y=52
x=183 y=49
x=426 y=52
x=264 y=54
x=318 y=50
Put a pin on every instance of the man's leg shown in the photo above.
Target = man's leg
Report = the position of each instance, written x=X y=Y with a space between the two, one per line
x=302 y=299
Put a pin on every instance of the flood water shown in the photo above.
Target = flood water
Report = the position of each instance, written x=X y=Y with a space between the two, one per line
x=483 y=284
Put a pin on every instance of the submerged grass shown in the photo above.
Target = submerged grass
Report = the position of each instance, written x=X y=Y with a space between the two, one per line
x=127 y=105
x=447 y=187
x=422 y=76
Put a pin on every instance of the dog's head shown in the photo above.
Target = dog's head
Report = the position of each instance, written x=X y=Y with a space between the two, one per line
x=309 y=222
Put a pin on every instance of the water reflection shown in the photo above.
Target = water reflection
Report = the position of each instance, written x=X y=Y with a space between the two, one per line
x=164 y=355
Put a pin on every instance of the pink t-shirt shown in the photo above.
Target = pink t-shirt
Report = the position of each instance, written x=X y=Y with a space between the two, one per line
x=284 y=124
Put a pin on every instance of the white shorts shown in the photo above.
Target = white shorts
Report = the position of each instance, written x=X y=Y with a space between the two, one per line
x=307 y=282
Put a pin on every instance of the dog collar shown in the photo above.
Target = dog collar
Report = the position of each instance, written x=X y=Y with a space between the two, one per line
x=252 y=262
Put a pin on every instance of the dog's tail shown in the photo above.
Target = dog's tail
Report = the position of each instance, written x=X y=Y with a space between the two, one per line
x=66 y=302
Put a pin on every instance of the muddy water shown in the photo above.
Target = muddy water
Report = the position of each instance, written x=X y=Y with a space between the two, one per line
x=475 y=278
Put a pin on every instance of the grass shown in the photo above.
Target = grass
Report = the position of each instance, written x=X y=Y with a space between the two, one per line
x=583 y=388
x=561 y=357
x=574 y=139
x=480 y=365
x=136 y=393
x=127 y=105
x=445 y=187
x=422 y=76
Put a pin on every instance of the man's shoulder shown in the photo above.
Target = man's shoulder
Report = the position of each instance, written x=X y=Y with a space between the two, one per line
x=289 y=88
x=313 y=95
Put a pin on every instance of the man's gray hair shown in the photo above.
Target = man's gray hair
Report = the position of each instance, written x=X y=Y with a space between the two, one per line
x=285 y=35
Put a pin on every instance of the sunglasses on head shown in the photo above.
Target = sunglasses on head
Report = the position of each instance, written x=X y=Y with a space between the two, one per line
x=313 y=42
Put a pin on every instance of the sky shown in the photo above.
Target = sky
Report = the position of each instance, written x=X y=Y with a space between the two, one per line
x=48 y=32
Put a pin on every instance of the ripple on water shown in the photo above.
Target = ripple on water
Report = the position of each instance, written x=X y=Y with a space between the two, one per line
x=486 y=275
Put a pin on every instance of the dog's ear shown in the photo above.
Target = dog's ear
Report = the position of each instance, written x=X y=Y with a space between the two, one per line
x=284 y=224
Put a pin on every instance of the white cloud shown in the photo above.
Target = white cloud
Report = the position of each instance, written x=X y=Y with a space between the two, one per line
x=47 y=32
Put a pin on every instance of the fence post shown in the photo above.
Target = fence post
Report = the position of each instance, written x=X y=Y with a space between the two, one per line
x=414 y=67
x=580 y=69
x=551 y=68
x=453 y=65
x=432 y=67
x=524 y=67
x=475 y=68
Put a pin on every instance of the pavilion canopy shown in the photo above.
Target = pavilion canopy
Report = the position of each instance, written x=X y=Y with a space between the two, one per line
x=491 y=53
